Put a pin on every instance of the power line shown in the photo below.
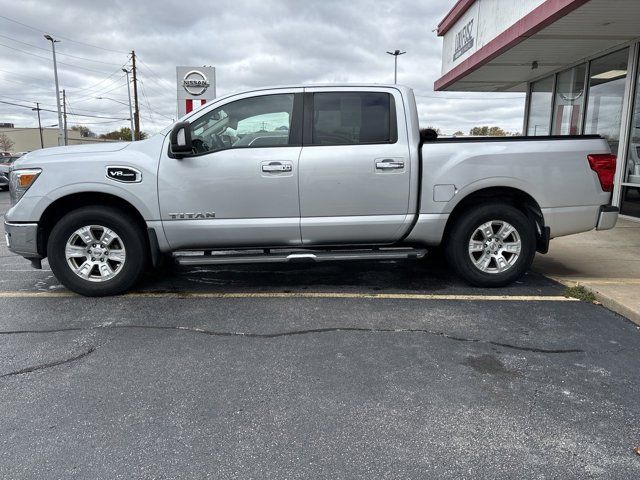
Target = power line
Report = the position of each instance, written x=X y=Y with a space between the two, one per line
x=59 y=53
x=60 y=36
x=158 y=77
x=100 y=123
x=100 y=91
x=115 y=72
x=46 y=58
x=149 y=105
x=55 y=111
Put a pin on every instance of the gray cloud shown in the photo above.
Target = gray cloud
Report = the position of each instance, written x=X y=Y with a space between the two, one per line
x=252 y=44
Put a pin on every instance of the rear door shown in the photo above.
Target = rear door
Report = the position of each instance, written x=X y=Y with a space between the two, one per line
x=355 y=166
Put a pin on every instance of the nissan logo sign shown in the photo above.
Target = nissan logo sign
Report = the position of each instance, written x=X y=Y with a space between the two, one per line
x=195 y=83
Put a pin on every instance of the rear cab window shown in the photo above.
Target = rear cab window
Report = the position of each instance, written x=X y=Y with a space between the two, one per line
x=352 y=118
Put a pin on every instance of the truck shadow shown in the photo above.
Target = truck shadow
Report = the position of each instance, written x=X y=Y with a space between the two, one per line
x=430 y=274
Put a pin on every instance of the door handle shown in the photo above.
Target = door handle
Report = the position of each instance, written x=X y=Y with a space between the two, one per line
x=389 y=164
x=277 y=167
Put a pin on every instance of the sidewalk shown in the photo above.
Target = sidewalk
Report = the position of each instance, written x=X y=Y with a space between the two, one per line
x=607 y=263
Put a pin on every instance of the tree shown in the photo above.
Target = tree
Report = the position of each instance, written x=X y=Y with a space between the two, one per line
x=123 y=134
x=458 y=134
x=487 y=132
x=84 y=132
x=6 y=144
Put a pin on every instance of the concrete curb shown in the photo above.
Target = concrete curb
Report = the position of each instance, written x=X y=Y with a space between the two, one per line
x=606 y=300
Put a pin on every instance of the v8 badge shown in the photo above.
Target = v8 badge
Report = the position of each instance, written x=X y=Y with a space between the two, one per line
x=124 y=174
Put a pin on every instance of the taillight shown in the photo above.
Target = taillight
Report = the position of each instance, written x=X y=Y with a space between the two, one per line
x=604 y=164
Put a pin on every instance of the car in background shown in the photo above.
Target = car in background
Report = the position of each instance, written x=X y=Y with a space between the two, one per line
x=5 y=166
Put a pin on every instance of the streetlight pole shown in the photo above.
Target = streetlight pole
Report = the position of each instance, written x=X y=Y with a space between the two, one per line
x=37 y=109
x=55 y=74
x=395 y=54
x=130 y=107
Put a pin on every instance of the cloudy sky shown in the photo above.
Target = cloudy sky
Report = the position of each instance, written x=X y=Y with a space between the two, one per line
x=251 y=43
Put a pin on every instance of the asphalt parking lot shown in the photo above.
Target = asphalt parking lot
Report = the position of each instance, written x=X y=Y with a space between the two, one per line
x=362 y=370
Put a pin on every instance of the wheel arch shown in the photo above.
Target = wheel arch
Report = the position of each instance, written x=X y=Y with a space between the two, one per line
x=63 y=205
x=515 y=197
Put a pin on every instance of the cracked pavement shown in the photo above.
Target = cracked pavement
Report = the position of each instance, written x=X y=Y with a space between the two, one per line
x=360 y=387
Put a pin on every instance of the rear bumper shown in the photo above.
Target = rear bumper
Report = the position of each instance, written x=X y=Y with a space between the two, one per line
x=22 y=238
x=607 y=217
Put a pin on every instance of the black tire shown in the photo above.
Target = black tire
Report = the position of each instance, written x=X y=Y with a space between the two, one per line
x=460 y=235
x=131 y=236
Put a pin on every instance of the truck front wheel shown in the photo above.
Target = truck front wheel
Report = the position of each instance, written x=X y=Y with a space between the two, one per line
x=491 y=245
x=97 y=251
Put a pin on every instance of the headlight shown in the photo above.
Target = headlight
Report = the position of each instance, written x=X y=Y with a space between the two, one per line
x=20 y=181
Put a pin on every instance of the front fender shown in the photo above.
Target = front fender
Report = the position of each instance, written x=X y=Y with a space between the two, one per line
x=143 y=198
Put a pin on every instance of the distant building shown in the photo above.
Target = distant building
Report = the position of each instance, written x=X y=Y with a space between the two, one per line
x=27 y=139
x=577 y=60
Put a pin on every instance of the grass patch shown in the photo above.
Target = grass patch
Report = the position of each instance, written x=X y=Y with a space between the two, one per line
x=580 y=293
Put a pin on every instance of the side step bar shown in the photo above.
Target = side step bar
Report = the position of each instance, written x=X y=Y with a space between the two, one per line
x=222 y=258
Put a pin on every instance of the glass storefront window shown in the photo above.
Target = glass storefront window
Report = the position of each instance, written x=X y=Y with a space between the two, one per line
x=606 y=92
x=541 y=97
x=630 y=200
x=567 y=115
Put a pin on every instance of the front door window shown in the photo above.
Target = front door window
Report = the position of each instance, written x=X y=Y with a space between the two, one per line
x=262 y=121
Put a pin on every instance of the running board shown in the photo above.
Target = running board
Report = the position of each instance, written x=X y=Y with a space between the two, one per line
x=221 y=258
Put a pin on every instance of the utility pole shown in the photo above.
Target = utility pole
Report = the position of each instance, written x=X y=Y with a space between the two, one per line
x=395 y=54
x=64 y=116
x=37 y=109
x=55 y=75
x=136 y=113
x=130 y=110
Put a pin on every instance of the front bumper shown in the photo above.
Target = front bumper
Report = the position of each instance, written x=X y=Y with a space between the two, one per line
x=607 y=217
x=22 y=238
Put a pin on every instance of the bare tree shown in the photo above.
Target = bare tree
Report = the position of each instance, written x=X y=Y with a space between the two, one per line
x=6 y=144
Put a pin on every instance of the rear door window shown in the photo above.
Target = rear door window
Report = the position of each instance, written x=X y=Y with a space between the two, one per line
x=353 y=118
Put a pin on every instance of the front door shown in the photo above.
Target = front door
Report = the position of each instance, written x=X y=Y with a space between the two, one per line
x=240 y=186
x=355 y=167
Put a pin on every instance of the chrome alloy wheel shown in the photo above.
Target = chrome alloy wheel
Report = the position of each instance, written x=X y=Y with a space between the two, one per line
x=95 y=253
x=494 y=247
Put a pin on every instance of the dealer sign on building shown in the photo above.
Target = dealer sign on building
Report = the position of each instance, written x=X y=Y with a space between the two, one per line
x=195 y=86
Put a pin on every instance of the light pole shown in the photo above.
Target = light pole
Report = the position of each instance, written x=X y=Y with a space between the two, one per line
x=122 y=103
x=55 y=74
x=130 y=107
x=395 y=54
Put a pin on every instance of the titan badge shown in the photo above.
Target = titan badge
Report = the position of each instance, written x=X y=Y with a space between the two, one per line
x=192 y=216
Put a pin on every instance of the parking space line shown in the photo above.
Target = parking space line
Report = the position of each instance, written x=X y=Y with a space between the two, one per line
x=335 y=295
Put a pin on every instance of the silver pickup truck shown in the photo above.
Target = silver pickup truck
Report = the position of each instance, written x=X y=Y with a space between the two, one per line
x=296 y=174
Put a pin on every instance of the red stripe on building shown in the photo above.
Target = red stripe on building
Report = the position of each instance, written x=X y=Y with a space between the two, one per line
x=454 y=15
x=539 y=18
x=189 y=105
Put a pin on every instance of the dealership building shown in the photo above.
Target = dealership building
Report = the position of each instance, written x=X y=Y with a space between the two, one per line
x=577 y=61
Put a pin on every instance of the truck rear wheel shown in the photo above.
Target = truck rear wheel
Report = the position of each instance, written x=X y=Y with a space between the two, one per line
x=97 y=251
x=491 y=245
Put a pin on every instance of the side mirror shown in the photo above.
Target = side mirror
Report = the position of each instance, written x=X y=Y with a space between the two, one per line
x=181 y=144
